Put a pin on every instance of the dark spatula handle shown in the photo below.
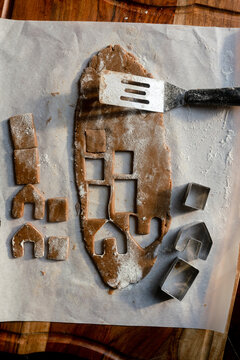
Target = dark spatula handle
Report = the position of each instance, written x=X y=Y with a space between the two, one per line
x=219 y=97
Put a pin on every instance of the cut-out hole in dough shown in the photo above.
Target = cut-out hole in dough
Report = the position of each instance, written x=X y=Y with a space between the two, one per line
x=125 y=195
x=28 y=211
x=94 y=169
x=145 y=240
x=109 y=230
x=123 y=163
x=28 y=250
x=98 y=198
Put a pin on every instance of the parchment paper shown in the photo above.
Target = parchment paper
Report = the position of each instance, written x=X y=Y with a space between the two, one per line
x=40 y=58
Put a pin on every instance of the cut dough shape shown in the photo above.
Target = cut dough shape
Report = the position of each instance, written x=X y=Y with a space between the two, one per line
x=58 y=247
x=23 y=131
x=28 y=233
x=28 y=194
x=126 y=130
x=95 y=141
x=57 y=209
x=27 y=167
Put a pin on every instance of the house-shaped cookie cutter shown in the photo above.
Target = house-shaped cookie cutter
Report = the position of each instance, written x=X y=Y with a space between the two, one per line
x=179 y=279
x=196 y=231
x=196 y=196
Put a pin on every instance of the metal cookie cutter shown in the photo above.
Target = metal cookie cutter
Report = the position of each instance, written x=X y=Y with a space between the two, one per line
x=179 y=279
x=196 y=231
x=196 y=196
x=192 y=249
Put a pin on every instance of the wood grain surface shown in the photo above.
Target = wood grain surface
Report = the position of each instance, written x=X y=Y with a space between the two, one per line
x=120 y=342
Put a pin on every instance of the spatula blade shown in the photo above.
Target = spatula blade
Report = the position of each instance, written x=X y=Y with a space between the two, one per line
x=131 y=91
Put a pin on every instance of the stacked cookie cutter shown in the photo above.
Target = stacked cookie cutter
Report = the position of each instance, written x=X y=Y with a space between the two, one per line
x=27 y=173
x=193 y=241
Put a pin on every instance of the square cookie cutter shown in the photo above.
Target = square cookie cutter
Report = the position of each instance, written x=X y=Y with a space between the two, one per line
x=179 y=279
x=196 y=196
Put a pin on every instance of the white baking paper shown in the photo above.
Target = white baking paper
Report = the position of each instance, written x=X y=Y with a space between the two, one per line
x=40 y=65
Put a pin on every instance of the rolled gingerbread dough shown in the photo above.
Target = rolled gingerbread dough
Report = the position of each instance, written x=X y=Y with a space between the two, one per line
x=100 y=132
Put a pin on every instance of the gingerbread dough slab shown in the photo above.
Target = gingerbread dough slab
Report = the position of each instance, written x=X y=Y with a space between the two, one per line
x=27 y=167
x=134 y=131
x=23 y=131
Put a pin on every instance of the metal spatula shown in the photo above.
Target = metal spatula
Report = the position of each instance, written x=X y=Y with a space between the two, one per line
x=144 y=93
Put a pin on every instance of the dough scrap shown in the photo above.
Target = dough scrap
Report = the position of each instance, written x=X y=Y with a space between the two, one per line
x=27 y=167
x=28 y=233
x=58 y=247
x=23 y=131
x=28 y=194
x=126 y=130
x=57 y=209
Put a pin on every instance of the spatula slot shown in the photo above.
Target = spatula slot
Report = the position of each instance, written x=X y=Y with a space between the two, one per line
x=136 y=83
x=138 y=92
x=141 y=101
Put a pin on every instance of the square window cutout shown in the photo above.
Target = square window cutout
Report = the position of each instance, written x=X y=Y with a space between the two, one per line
x=123 y=163
x=94 y=169
x=98 y=200
x=125 y=195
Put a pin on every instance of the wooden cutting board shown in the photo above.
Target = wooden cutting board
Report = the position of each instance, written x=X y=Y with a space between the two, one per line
x=120 y=342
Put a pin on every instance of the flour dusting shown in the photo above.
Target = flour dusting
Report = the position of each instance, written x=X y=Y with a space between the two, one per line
x=129 y=272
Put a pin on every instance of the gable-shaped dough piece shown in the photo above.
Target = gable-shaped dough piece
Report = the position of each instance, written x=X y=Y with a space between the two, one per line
x=29 y=194
x=28 y=233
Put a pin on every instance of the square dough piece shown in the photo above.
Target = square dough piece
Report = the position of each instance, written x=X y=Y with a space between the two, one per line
x=95 y=141
x=23 y=131
x=58 y=247
x=27 y=167
x=57 y=209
